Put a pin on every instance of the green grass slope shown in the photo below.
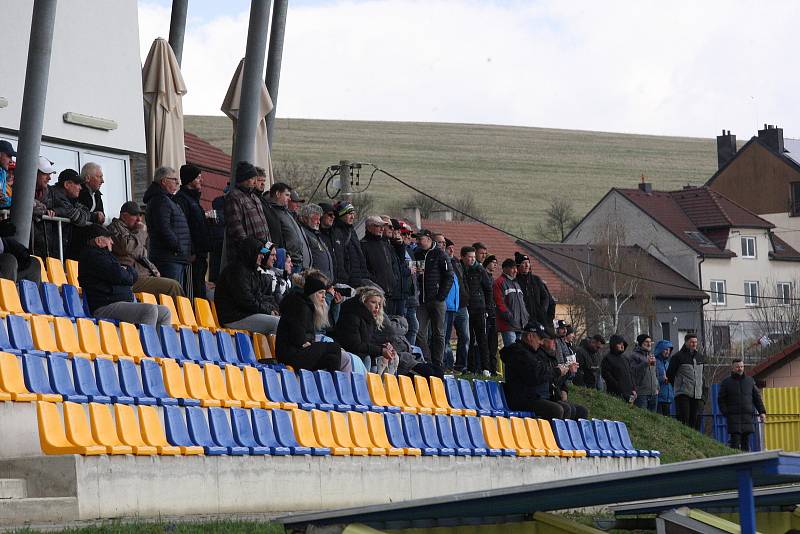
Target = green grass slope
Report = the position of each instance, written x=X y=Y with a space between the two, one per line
x=648 y=430
x=511 y=171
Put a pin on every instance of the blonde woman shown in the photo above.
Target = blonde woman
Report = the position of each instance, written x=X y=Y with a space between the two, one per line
x=360 y=318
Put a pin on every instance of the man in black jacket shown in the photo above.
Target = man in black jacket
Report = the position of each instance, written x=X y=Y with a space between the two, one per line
x=739 y=399
x=537 y=296
x=107 y=283
x=379 y=256
x=170 y=239
x=479 y=291
x=188 y=198
x=65 y=204
x=283 y=228
x=589 y=356
x=435 y=280
x=616 y=370
x=244 y=297
x=349 y=264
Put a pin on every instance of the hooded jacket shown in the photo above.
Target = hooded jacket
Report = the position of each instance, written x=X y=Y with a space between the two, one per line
x=530 y=375
x=644 y=374
x=616 y=371
x=356 y=328
x=437 y=278
x=170 y=239
x=349 y=264
x=685 y=373
x=739 y=400
x=296 y=326
x=242 y=290
x=285 y=232
x=665 y=392
x=189 y=201
x=588 y=365
x=381 y=263
x=244 y=217
x=104 y=279
x=512 y=314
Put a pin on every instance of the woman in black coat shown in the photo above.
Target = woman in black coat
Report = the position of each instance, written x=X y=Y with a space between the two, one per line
x=739 y=400
x=302 y=315
x=360 y=319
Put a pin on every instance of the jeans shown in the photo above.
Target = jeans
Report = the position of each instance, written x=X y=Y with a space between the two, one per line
x=459 y=319
x=431 y=315
x=647 y=402
x=413 y=324
x=174 y=270
x=509 y=337
x=135 y=313
x=258 y=322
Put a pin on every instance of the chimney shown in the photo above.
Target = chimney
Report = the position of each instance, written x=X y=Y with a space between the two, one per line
x=772 y=136
x=645 y=187
x=412 y=215
x=441 y=215
x=726 y=148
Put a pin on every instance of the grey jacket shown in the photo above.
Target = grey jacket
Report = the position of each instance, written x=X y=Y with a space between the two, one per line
x=512 y=314
x=644 y=374
x=563 y=349
x=286 y=233
x=685 y=373
x=318 y=251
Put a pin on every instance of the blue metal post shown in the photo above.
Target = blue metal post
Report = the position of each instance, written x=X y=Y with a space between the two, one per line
x=747 y=505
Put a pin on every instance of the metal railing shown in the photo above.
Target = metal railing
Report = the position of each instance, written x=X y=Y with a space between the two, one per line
x=58 y=221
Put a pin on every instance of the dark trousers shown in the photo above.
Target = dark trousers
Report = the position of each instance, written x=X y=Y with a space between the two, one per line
x=318 y=356
x=396 y=307
x=215 y=259
x=740 y=441
x=174 y=270
x=431 y=315
x=491 y=342
x=199 y=268
x=546 y=409
x=479 y=352
x=686 y=409
x=663 y=408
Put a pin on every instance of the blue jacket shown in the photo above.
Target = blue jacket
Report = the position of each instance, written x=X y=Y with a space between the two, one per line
x=170 y=238
x=665 y=391
x=103 y=278
x=452 y=300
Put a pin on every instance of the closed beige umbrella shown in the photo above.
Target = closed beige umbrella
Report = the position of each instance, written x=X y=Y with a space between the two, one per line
x=163 y=88
x=230 y=106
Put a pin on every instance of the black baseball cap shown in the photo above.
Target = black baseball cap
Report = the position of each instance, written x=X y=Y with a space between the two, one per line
x=131 y=207
x=70 y=175
x=424 y=233
x=6 y=148
x=538 y=329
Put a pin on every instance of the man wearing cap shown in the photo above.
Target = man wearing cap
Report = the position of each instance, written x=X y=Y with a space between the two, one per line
x=321 y=259
x=65 y=204
x=107 y=283
x=435 y=280
x=509 y=301
x=129 y=234
x=565 y=334
x=45 y=234
x=380 y=259
x=295 y=203
x=170 y=246
x=283 y=228
x=404 y=293
x=538 y=301
x=349 y=264
x=6 y=153
x=457 y=313
x=244 y=216
x=188 y=198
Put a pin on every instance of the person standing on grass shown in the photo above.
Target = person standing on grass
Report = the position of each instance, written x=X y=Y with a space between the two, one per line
x=589 y=356
x=666 y=395
x=616 y=370
x=685 y=373
x=512 y=314
x=479 y=290
x=643 y=367
x=739 y=400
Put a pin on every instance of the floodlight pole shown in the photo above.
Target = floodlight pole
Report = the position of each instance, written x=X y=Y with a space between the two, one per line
x=345 y=190
x=177 y=27
x=274 y=57
x=31 y=121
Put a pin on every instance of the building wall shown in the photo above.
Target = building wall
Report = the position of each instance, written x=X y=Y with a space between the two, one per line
x=786 y=227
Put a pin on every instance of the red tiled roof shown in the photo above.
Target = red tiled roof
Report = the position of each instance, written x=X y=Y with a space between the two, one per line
x=215 y=163
x=781 y=358
x=781 y=250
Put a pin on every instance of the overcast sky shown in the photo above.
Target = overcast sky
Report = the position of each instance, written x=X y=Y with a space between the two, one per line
x=677 y=68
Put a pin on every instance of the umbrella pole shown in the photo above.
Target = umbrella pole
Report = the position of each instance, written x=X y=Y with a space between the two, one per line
x=177 y=27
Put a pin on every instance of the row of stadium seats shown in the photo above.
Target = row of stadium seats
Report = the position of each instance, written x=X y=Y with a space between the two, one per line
x=598 y=438
x=58 y=273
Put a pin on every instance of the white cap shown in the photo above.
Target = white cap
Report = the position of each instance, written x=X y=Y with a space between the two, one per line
x=46 y=166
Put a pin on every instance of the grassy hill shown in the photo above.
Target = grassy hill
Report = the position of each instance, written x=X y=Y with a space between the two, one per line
x=512 y=171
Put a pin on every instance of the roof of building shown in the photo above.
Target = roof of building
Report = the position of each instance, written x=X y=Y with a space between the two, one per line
x=577 y=264
x=215 y=163
x=790 y=155
x=779 y=359
x=781 y=250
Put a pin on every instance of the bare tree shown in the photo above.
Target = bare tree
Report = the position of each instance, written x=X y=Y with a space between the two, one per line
x=776 y=318
x=463 y=202
x=560 y=219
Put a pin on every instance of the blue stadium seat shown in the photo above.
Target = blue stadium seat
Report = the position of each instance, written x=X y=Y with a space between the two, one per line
x=209 y=348
x=603 y=439
x=220 y=427
x=170 y=342
x=244 y=345
x=153 y=382
x=53 y=302
x=616 y=441
x=327 y=390
x=226 y=348
x=476 y=434
x=191 y=348
x=561 y=432
x=468 y=398
x=431 y=435
x=311 y=393
x=61 y=379
x=35 y=374
x=292 y=391
x=150 y=341
x=453 y=393
x=498 y=397
x=178 y=433
x=5 y=342
x=74 y=303
x=483 y=400
x=108 y=381
x=577 y=439
x=264 y=434
x=413 y=435
x=361 y=393
x=628 y=444
x=394 y=431
x=344 y=388
x=462 y=436
x=132 y=384
x=85 y=381
x=284 y=431
x=590 y=439
x=273 y=387
x=243 y=431
x=444 y=431
x=201 y=434
x=20 y=334
x=30 y=297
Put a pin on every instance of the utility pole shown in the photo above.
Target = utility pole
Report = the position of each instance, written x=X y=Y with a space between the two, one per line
x=345 y=190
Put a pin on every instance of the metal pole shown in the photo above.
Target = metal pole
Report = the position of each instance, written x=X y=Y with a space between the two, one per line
x=274 y=57
x=747 y=505
x=32 y=118
x=344 y=181
x=252 y=80
x=177 y=27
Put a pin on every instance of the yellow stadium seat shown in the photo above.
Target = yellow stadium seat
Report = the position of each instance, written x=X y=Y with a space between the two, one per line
x=550 y=439
x=196 y=385
x=90 y=340
x=104 y=431
x=186 y=312
x=271 y=339
x=393 y=394
x=53 y=437
x=173 y=379
x=490 y=433
x=205 y=317
x=77 y=425
x=409 y=395
x=146 y=298
x=42 y=334
x=153 y=433
x=440 y=398
x=507 y=437
x=129 y=432
x=67 y=337
x=13 y=385
x=423 y=392
x=376 y=390
x=261 y=345
x=377 y=431
x=324 y=433
x=110 y=343
x=535 y=438
x=214 y=313
x=45 y=277
x=254 y=385
x=304 y=431
x=55 y=272
x=341 y=434
x=359 y=433
x=9 y=298
x=234 y=380
x=166 y=300
x=72 y=273
x=131 y=342
x=521 y=438
x=215 y=384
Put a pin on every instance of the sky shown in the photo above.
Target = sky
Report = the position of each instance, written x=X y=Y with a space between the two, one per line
x=682 y=68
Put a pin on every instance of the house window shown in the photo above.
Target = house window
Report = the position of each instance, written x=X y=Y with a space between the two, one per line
x=795 y=208
x=785 y=292
x=751 y=293
x=721 y=337
x=665 y=331
x=718 y=292
x=748 y=247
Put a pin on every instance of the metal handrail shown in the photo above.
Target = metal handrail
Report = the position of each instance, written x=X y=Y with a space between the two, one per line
x=59 y=221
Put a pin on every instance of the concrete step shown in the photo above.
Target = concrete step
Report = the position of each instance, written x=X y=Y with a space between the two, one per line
x=41 y=510
x=13 y=488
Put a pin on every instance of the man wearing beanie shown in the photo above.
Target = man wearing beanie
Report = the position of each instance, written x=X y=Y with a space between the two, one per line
x=510 y=303
x=349 y=263
x=188 y=198
x=244 y=216
x=540 y=305
x=643 y=368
